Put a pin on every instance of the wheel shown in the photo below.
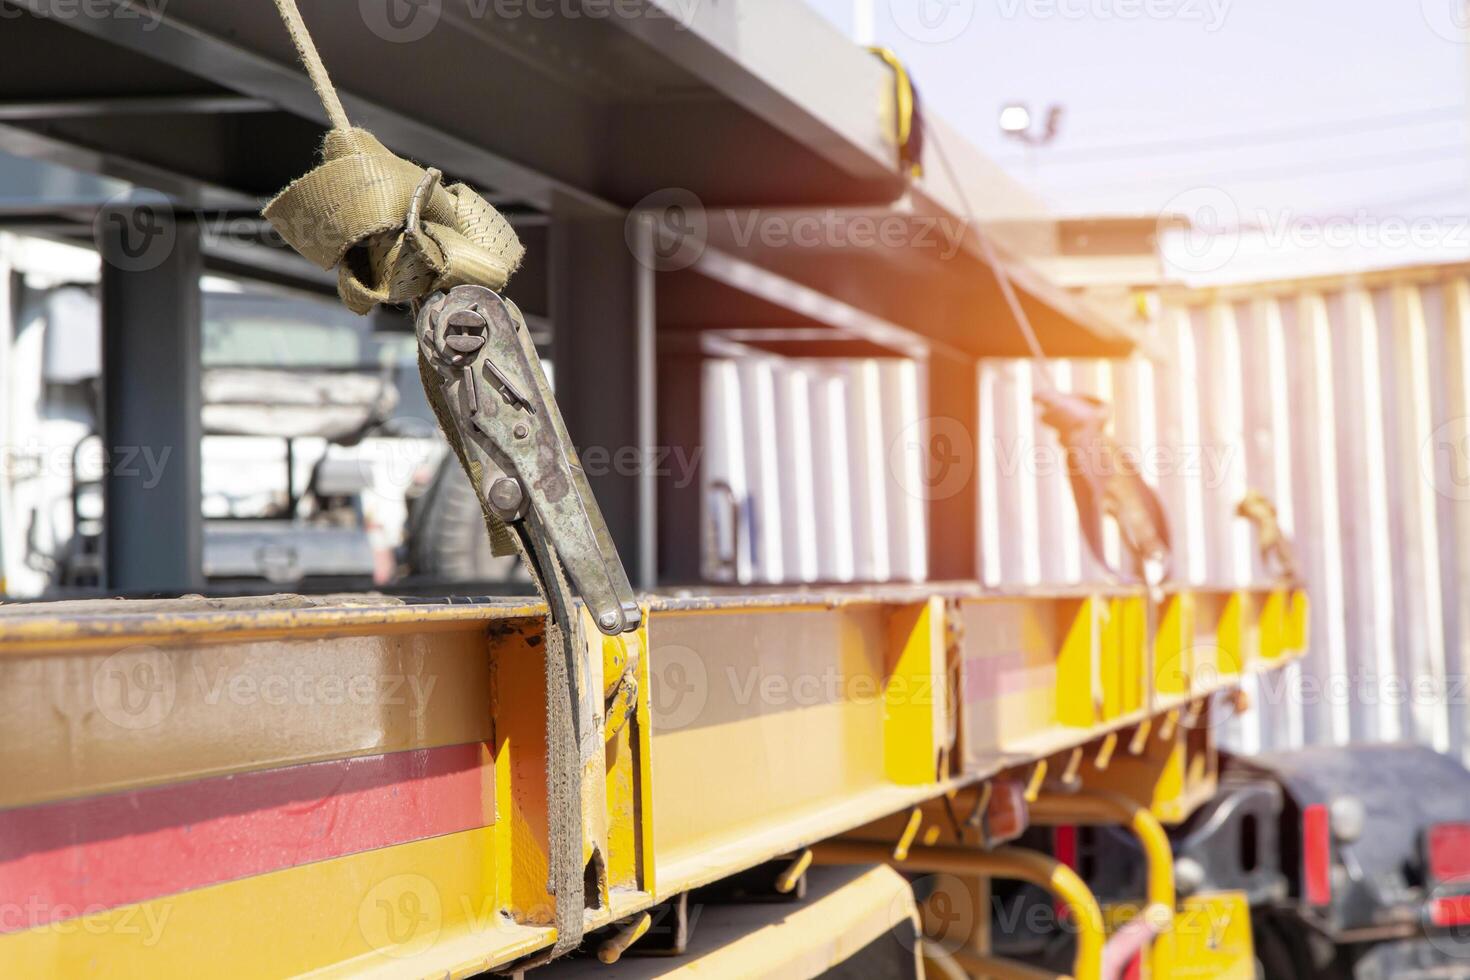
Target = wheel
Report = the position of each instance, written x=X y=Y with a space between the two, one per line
x=447 y=539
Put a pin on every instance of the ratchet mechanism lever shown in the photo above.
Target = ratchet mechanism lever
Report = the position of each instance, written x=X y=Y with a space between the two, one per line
x=504 y=413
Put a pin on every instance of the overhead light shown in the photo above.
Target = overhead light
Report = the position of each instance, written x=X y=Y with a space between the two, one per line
x=1015 y=118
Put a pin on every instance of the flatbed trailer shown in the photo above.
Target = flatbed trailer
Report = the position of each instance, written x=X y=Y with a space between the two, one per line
x=779 y=781
x=357 y=785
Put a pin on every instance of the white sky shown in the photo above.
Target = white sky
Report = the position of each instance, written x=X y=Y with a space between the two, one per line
x=1299 y=110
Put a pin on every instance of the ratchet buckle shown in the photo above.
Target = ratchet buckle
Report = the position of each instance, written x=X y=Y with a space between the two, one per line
x=504 y=412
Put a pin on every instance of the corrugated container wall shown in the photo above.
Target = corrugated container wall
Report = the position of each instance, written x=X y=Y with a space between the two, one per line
x=1346 y=404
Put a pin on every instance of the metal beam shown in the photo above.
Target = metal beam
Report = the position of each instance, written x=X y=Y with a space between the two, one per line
x=168 y=39
x=601 y=304
x=774 y=288
x=145 y=105
x=151 y=311
x=759 y=53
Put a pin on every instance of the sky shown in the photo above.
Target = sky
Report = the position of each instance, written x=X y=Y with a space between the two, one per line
x=1286 y=118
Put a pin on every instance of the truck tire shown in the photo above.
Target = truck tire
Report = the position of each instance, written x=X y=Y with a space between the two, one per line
x=447 y=540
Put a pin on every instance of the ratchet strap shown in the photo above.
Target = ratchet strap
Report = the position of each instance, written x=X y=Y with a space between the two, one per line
x=350 y=213
x=1277 y=553
x=1104 y=485
x=908 y=119
x=395 y=235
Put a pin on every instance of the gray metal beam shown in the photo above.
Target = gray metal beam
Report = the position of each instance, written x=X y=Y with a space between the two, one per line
x=145 y=105
x=186 y=192
x=153 y=531
x=761 y=53
x=813 y=304
x=179 y=44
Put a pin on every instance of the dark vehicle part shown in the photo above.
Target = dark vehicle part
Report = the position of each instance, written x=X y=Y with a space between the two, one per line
x=446 y=538
x=1233 y=843
x=1353 y=821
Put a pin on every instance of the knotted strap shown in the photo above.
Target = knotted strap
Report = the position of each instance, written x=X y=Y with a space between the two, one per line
x=396 y=235
x=353 y=212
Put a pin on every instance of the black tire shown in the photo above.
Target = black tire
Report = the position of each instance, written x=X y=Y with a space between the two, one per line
x=447 y=540
x=1280 y=952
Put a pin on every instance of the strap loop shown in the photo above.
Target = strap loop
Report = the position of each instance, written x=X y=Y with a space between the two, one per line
x=352 y=212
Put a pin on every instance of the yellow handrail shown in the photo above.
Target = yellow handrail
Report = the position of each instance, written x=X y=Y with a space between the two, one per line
x=1003 y=862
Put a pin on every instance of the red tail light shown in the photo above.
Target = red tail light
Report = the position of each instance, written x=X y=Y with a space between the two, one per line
x=1317 y=855
x=1447 y=851
x=1064 y=847
x=1451 y=910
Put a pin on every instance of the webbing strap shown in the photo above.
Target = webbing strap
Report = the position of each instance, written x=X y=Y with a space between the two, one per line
x=351 y=213
x=395 y=235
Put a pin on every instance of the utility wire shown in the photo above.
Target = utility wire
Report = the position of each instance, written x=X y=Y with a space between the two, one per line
x=1379 y=161
x=1002 y=276
x=1247 y=138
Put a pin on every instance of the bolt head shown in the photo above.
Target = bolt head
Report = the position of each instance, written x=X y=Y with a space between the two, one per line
x=506 y=496
x=521 y=430
x=608 y=620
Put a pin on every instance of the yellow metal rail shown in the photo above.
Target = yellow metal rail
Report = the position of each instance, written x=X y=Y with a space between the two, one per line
x=364 y=780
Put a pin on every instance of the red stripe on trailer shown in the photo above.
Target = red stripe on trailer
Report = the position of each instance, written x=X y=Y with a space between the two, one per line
x=59 y=860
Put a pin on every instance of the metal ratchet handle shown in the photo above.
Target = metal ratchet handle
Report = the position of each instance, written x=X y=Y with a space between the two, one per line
x=504 y=412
